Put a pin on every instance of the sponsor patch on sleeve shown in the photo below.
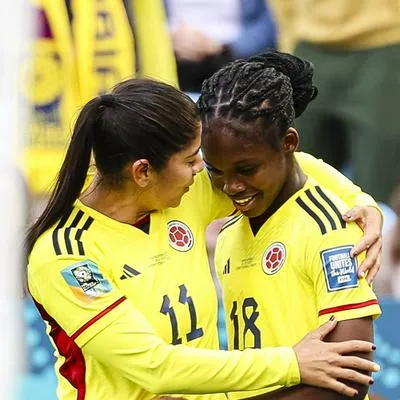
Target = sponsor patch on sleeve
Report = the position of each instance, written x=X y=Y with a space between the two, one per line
x=86 y=281
x=340 y=268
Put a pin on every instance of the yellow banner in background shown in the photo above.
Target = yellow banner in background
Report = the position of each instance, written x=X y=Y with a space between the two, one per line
x=51 y=91
x=104 y=43
x=80 y=55
x=157 y=59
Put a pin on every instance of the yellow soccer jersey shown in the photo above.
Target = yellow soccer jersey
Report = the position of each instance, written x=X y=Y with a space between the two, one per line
x=163 y=268
x=105 y=348
x=174 y=285
x=293 y=274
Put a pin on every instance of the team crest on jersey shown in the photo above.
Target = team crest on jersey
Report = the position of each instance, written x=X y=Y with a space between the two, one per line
x=340 y=268
x=180 y=236
x=274 y=258
x=86 y=281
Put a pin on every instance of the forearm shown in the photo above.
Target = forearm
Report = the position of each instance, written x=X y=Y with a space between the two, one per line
x=146 y=360
x=301 y=392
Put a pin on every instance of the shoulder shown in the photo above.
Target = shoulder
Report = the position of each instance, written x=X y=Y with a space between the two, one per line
x=228 y=234
x=232 y=223
x=321 y=210
x=70 y=238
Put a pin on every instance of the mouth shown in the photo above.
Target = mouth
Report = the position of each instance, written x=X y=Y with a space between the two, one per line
x=244 y=203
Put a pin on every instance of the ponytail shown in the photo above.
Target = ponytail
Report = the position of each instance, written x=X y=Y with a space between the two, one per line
x=72 y=175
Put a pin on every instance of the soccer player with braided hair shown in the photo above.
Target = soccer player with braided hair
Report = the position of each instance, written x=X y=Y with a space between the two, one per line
x=120 y=271
x=284 y=260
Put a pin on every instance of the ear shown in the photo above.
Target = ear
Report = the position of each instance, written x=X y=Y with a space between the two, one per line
x=290 y=141
x=140 y=172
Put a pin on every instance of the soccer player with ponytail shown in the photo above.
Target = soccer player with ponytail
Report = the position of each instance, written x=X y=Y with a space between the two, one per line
x=120 y=274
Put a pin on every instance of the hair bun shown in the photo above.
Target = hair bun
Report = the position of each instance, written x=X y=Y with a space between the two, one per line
x=300 y=72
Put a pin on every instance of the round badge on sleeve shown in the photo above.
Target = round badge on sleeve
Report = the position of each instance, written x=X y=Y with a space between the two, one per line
x=274 y=258
x=180 y=236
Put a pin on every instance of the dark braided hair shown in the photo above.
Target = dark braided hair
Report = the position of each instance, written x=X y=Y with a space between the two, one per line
x=273 y=85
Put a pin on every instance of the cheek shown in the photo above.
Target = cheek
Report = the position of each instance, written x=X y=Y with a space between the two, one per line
x=182 y=175
x=217 y=181
x=268 y=179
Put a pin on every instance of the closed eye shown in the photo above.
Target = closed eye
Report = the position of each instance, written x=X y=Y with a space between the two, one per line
x=247 y=170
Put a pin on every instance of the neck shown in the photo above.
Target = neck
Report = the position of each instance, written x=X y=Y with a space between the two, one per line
x=296 y=180
x=123 y=205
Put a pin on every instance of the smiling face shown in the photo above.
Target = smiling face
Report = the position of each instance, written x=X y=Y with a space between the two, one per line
x=244 y=166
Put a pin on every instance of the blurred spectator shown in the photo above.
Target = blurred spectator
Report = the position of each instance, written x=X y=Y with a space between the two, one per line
x=395 y=248
x=81 y=49
x=386 y=282
x=355 y=46
x=207 y=34
x=393 y=244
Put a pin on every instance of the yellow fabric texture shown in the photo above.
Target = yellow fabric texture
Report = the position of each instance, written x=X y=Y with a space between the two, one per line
x=151 y=270
x=53 y=95
x=80 y=61
x=104 y=45
x=355 y=24
x=87 y=264
x=157 y=57
x=291 y=276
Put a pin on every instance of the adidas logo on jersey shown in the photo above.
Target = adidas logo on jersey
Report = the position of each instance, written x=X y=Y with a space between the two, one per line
x=128 y=272
x=227 y=267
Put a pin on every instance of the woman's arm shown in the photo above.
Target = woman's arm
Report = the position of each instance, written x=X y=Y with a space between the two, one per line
x=361 y=328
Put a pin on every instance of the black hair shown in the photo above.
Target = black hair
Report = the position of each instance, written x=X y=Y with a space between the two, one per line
x=274 y=86
x=141 y=118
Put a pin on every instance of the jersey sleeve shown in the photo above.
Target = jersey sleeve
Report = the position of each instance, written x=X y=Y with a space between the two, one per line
x=208 y=200
x=333 y=272
x=333 y=180
x=80 y=298
x=78 y=294
x=134 y=350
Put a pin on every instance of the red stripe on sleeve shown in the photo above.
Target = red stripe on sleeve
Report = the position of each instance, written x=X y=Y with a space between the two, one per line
x=73 y=368
x=97 y=317
x=345 y=307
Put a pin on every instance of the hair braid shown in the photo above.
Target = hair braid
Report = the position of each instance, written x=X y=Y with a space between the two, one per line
x=272 y=85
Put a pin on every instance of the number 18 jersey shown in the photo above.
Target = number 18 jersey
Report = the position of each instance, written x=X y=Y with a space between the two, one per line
x=293 y=274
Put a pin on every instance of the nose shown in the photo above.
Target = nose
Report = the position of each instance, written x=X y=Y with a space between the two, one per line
x=233 y=186
x=198 y=165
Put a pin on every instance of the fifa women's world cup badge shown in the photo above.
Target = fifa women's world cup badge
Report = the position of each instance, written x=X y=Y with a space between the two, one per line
x=274 y=258
x=180 y=236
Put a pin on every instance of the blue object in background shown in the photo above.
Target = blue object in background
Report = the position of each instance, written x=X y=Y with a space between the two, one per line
x=39 y=383
x=387 y=339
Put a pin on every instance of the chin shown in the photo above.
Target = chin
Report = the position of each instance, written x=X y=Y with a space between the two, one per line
x=174 y=203
x=255 y=212
x=252 y=213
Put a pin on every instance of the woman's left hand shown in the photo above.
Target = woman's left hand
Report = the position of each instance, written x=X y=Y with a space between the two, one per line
x=370 y=220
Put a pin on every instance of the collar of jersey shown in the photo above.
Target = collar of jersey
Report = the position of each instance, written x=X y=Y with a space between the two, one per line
x=110 y=222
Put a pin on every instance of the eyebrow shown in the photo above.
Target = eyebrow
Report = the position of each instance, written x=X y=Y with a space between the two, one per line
x=194 y=153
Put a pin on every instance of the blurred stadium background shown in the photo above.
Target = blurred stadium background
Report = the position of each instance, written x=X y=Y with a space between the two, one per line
x=81 y=48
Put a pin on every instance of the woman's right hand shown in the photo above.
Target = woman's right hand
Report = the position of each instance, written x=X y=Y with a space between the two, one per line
x=323 y=363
